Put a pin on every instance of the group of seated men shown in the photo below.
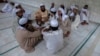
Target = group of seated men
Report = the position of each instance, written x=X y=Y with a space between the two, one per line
x=14 y=9
x=51 y=25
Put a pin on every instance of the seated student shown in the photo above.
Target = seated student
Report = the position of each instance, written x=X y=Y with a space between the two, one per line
x=43 y=12
x=65 y=23
x=70 y=11
x=62 y=8
x=53 y=37
x=53 y=9
x=8 y=7
x=75 y=19
x=27 y=36
x=15 y=9
x=20 y=11
x=59 y=13
x=84 y=15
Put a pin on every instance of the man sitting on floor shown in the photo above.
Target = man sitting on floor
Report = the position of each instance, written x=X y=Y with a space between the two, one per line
x=43 y=12
x=8 y=7
x=84 y=15
x=53 y=37
x=27 y=36
x=64 y=23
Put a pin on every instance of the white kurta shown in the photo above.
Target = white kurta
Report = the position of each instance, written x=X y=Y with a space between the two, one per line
x=54 y=40
x=53 y=9
x=83 y=16
x=76 y=23
x=62 y=10
x=7 y=8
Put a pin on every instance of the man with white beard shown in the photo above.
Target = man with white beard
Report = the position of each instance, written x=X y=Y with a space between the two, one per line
x=43 y=12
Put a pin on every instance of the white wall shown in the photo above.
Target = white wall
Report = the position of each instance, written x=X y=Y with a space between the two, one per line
x=94 y=5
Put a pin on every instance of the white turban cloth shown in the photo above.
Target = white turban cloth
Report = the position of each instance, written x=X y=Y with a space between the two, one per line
x=23 y=21
x=73 y=7
x=16 y=5
x=41 y=5
x=54 y=23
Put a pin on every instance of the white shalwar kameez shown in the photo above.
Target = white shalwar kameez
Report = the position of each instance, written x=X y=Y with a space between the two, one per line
x=54 y=40
x=83 y=15
x=76 y=23
x=7 y=8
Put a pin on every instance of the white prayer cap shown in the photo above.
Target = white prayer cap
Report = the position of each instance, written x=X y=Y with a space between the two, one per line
x=41 y=4
x=23 y=21
x=16 y=4
x=54 y=23
x=76 y=8
x=73 y=7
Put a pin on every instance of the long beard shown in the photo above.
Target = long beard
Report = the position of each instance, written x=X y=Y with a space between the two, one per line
x=43 y=10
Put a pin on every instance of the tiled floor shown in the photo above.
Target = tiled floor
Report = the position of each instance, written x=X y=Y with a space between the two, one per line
x=77 y=44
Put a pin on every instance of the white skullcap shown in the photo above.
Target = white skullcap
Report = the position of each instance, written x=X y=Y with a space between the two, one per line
x=54 y=23
x=53 y=10
x=65 y=17
x=16 y=4
x=41 y=4
x=76 y=8
x=23 y=21
x=73 y=7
